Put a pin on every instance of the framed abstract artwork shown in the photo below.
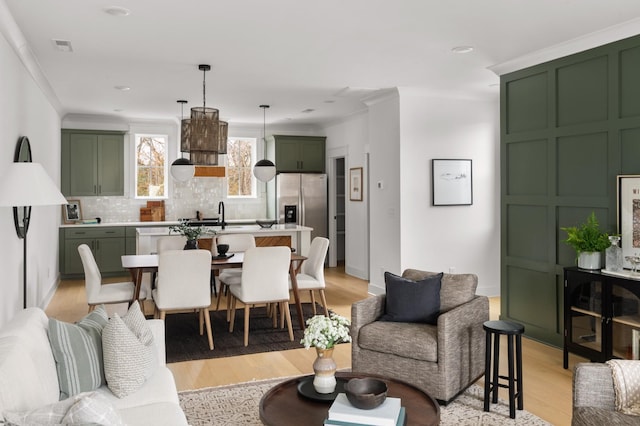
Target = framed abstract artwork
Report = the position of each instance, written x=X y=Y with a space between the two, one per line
x=451 y=182
x=355 y=184
x=628 y=187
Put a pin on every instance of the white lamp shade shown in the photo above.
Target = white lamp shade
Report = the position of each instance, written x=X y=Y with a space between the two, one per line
x=264 y=170
x=182 y=170
x=28 y=184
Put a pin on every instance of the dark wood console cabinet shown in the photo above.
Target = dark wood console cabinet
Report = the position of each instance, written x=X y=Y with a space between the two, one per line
x=601 y=318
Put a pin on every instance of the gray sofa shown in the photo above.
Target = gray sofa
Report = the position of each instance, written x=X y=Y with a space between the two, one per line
x=442 y=359
x=594 y=398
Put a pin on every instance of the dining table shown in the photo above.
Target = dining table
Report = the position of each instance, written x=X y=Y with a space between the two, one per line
x=138 y=264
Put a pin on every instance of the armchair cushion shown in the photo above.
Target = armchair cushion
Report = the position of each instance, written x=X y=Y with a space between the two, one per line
x=412 y=300
x=408 y=340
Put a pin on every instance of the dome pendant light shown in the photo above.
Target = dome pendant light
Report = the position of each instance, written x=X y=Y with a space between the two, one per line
x=182 y=169
x=264 y=170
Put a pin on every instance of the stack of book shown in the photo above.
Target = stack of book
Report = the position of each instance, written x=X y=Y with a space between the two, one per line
x=342 y=413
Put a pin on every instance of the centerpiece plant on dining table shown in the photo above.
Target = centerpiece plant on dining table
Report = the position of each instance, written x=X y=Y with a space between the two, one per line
x=324 y=333
x=192 y=233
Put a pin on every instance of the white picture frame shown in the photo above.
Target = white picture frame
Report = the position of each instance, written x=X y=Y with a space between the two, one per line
x=451 y=182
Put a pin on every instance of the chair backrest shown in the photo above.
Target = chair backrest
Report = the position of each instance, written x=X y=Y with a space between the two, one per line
x=265 y=273
x=171 y=242
x=237 y=242
x=183 y=279
x=314 y=265
x=92 y=276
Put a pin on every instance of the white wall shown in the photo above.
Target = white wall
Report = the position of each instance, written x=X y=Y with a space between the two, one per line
x=402 y=131
x=466 y=238
x=26 y=111
x=349 y=137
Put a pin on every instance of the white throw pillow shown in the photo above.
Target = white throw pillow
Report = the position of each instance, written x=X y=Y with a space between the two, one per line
x=128 y=352
x=81 y=409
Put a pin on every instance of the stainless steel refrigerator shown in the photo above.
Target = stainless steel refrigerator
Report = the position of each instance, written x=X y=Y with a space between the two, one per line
x=301 y=198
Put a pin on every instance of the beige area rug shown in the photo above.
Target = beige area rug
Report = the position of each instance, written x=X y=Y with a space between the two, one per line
x=238 y=405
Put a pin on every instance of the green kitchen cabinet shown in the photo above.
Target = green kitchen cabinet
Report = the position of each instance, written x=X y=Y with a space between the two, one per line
x=302 y=154
x=92 y=163
x=107 y=245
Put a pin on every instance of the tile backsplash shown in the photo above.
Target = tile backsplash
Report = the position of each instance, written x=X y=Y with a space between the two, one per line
x=197 y=194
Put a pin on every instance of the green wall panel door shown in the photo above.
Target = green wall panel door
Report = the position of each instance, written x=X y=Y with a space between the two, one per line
x=582 y=92
x=110 y=165
x=629 y=87
x=83 y=155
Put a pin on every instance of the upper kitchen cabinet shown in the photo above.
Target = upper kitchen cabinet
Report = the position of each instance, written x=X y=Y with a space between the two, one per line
x=92 y=163
x=303 y=154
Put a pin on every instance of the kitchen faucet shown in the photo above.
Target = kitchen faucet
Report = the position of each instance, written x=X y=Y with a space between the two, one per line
x=221 y=210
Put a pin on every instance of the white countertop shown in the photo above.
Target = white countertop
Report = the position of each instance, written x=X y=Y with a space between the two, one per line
x=151 y=224
x=229 y=229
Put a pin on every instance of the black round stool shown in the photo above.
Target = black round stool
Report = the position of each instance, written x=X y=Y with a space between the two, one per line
x=491 y=382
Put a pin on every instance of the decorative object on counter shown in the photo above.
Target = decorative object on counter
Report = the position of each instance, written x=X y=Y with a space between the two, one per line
x=192 y=233
x=154 y=212
x=634 y=261
x=204 y=136
x=613 y=255
x=265 y=223
x=25 y=184
x=588 y=241
x=324 y=333
x=182 y=169
x=264 y=170
x=72 y=212
x=366 y=393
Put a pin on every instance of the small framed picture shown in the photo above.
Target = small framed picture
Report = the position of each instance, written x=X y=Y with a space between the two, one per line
x=355 y=184
x=451 y=182
x=72 y=212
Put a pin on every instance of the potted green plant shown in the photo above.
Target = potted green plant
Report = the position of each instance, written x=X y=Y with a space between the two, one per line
x=192 y=233
x=588 y=241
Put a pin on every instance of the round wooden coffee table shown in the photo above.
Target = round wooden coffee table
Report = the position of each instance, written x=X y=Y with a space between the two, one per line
x=283 y=404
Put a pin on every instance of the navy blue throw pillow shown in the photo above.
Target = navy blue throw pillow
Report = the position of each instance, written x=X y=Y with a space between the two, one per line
x=412 y=301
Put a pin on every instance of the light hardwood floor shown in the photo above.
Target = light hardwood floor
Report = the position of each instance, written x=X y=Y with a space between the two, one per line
x=547 y=386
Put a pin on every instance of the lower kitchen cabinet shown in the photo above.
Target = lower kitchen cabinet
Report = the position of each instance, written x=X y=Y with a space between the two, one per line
x=601 y=315
x=107 y=245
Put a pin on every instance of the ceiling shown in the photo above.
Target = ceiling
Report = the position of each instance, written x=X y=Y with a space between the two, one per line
x=292 y=54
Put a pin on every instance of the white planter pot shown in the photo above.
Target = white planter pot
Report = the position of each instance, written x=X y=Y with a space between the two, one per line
x=590 y=260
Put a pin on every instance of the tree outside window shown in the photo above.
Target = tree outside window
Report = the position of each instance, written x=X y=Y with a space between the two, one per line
x=151 y=166
x=241 y=154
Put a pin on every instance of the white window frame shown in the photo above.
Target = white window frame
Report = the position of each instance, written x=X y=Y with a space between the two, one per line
x=136 y=136
x=254 y=183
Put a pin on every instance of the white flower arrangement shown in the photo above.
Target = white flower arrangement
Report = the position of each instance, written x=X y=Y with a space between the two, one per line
x=324 y=332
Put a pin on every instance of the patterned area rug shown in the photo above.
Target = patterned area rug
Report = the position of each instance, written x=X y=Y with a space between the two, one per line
x=238 y=405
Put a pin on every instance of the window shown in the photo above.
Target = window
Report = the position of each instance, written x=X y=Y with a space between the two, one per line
x=241 y=153
x=151 y=166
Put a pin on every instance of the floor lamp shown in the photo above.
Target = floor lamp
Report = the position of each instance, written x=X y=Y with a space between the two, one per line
x=23 y=185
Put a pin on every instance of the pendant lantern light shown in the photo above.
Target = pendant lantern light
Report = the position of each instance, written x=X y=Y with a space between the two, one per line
x=264 y=170
x=182 y=169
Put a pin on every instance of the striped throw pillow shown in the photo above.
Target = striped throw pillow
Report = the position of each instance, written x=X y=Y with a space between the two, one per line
x=77 y=349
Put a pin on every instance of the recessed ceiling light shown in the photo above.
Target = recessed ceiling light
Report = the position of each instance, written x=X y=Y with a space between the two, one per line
x=118 y=110
x=329 y=101
x=308 y=110
x=62 y=45
x=122 y=88
x=462 y=49
x=117 y=11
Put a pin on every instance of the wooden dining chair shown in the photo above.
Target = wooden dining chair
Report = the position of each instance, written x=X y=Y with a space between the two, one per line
x=99 y=293
x=238 y=243
x=184 y=284
x=311 y=276
x=264 y=280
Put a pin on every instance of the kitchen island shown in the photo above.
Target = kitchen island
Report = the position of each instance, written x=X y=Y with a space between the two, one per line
x=299 y=237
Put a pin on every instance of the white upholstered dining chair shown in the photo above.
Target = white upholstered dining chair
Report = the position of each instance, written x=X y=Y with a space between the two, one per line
x=183 y=284
x=264 y=280
x=311 y=275
x=99 y=293
x=238 y=243
x=170 y=242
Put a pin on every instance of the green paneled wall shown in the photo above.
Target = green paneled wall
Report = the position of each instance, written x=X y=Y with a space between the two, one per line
x=568 y=128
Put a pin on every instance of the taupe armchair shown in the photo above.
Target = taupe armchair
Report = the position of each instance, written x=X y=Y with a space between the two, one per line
x=443 y=359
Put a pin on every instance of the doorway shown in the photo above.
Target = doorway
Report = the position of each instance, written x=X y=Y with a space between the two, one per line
x=337 y=207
